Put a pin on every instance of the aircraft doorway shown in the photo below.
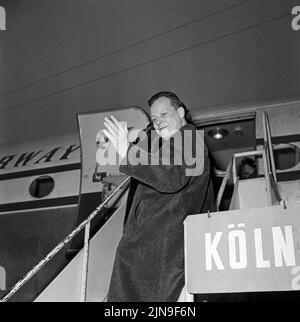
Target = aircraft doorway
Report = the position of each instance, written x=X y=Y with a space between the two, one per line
x=224 y=137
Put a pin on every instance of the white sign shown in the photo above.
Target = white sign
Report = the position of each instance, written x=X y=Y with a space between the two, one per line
x=255 y=249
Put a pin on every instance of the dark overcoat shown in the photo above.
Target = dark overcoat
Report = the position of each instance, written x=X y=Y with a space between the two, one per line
x=149 y=261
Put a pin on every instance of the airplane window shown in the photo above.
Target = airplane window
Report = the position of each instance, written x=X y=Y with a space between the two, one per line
x=41 y=187
x=286 y=156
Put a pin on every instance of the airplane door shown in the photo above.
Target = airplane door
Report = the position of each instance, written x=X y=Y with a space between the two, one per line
x=99 y=180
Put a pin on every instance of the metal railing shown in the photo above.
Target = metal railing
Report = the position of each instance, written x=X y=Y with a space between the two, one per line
x=268 y=146
x=268 y=163
x=223 y=184
x=271 y=184
x=65 y=241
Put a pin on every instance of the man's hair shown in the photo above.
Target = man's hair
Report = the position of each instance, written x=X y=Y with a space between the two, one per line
x=248 y=161
x=175 y=102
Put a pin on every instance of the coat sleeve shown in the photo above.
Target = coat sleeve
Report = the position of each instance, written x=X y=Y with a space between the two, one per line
x=171 y=168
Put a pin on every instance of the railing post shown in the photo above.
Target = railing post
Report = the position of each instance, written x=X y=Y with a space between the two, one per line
x=85 y=263
x=234 y=173
x=223 y=184
x=270 y=148
x=268 y=184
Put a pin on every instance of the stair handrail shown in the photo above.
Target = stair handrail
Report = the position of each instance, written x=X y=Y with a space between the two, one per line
x=66 y=240
x=223 y=184
x=269 y=145
x=270 y=180
x=274 y=186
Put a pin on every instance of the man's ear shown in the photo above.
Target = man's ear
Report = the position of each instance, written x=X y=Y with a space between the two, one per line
x=181 y=112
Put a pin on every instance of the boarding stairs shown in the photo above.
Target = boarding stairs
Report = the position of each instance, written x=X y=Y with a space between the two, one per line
x=257 y=212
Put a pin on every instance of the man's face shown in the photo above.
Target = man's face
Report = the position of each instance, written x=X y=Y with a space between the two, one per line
x=246 y=171
x=166 y=119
